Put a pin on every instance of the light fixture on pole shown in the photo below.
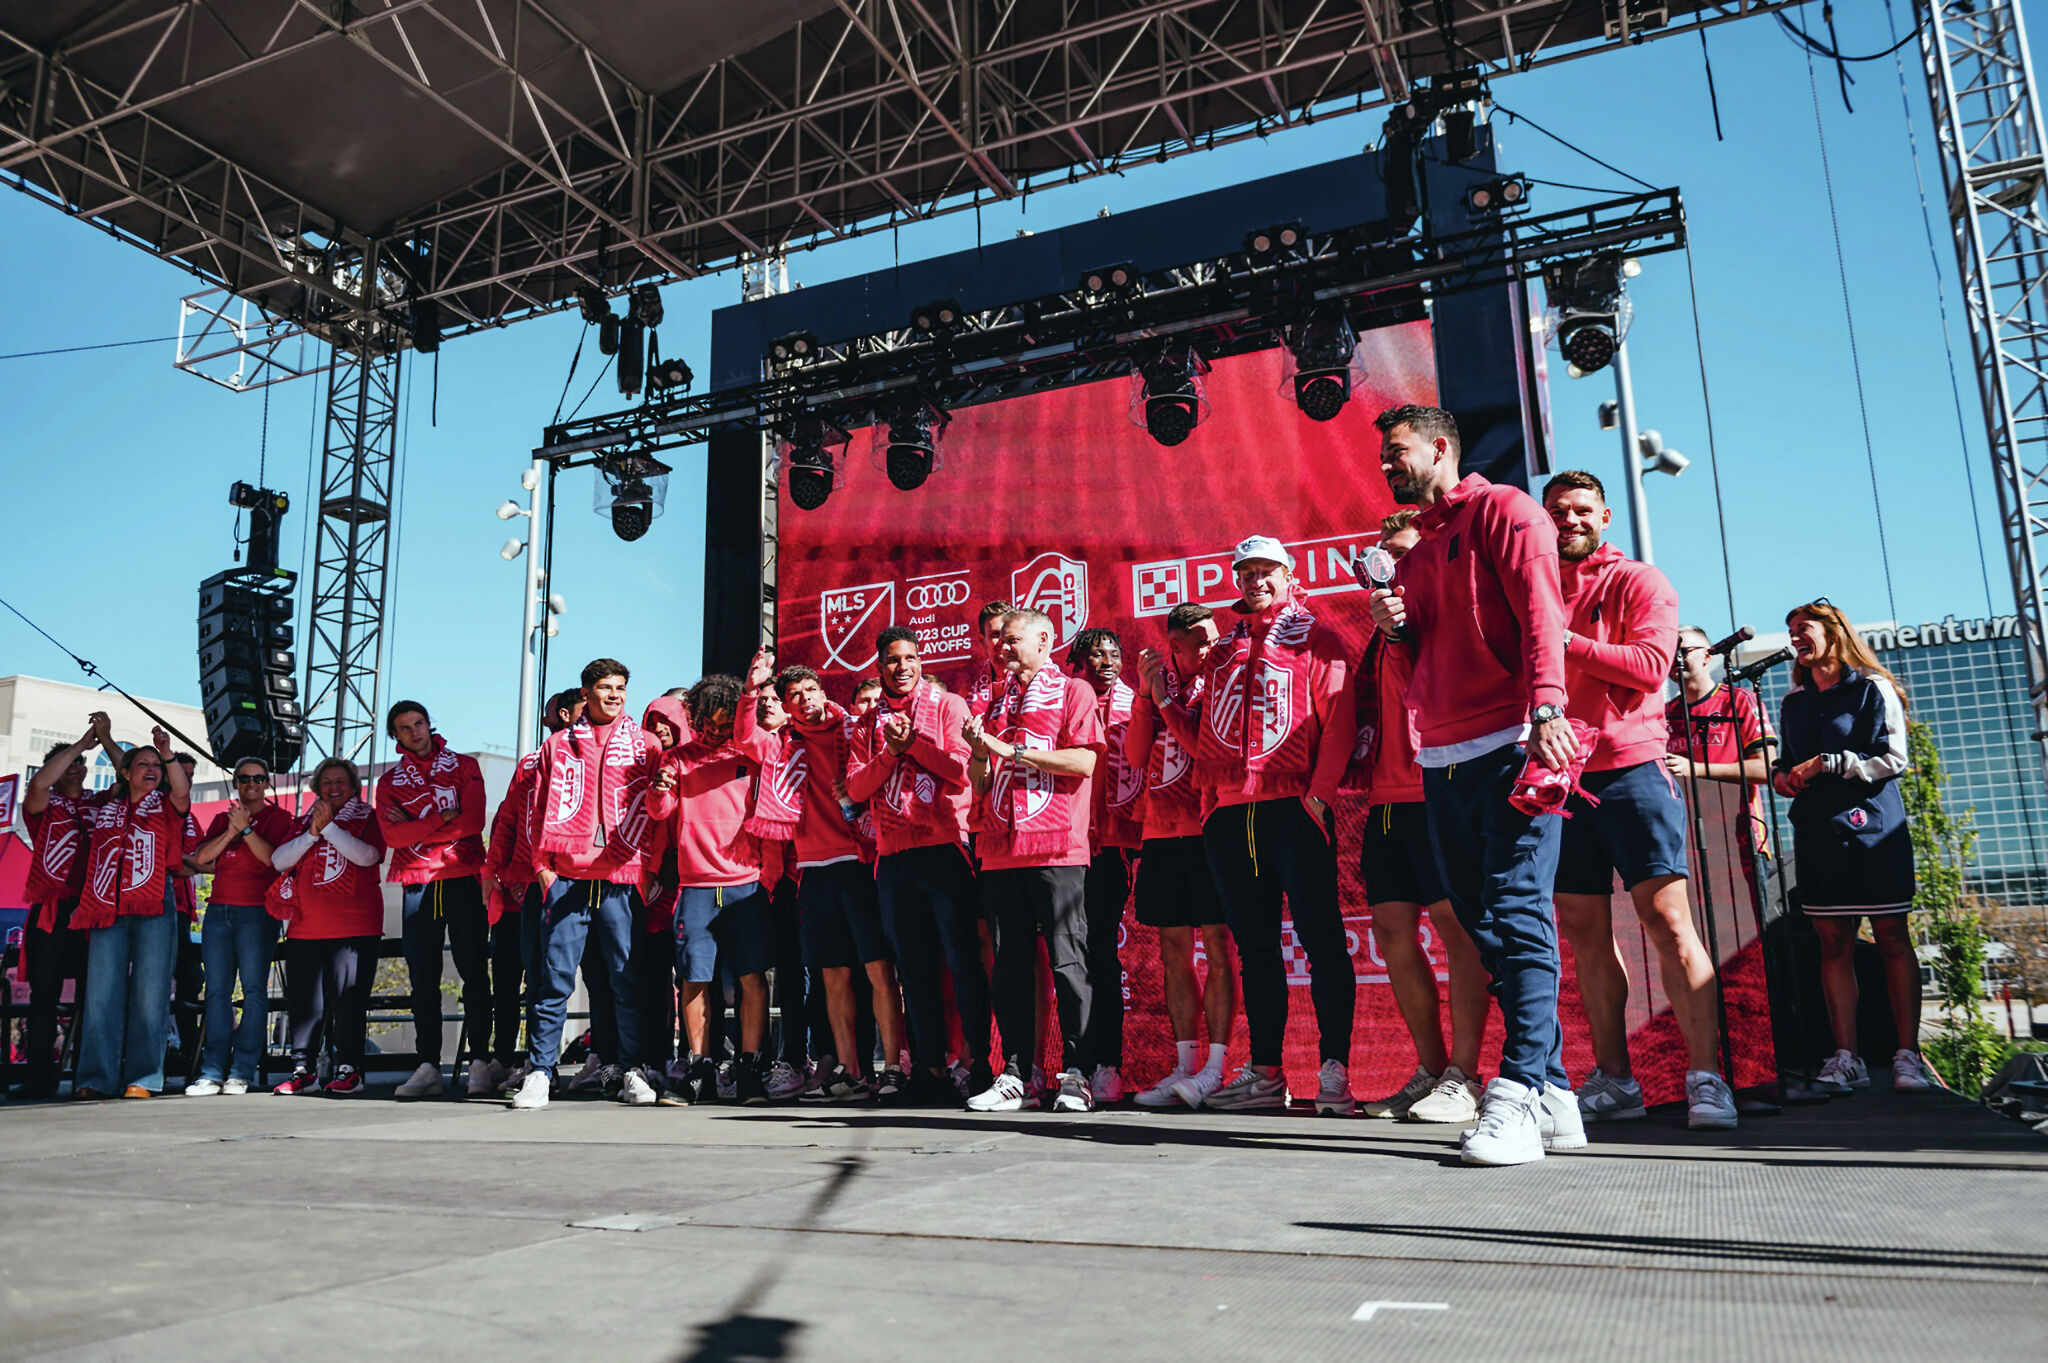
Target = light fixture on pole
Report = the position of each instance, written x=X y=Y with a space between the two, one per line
x=529 y=641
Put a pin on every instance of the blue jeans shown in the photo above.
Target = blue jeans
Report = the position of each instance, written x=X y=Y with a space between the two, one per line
x=127 y=1003
x=1498 y=865
x=574 y=912
x=235 y=940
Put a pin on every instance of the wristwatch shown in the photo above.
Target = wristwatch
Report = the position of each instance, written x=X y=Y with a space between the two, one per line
x=1544 y=713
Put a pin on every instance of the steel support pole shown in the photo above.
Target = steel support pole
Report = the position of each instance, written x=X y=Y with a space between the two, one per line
x=529 y=630
x=1631 y=455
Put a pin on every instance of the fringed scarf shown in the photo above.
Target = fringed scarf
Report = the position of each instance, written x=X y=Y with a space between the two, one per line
x=134 y=846
x=1249 y=727
x=581 y=808
x=779 y=795
x=1027 y=803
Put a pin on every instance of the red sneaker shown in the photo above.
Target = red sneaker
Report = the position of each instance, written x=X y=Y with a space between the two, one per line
x=301 y=1082
x=346 y=1083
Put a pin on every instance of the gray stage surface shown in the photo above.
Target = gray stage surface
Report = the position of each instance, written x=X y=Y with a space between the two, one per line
x=307 y=1229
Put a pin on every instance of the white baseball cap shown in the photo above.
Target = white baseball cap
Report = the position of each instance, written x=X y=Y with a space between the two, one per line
x=1261 y=547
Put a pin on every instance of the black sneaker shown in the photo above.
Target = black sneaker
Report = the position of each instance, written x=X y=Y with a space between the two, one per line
x=838 y=1087
x=703 y=1080
x=892 y=1086
x=751 y=1078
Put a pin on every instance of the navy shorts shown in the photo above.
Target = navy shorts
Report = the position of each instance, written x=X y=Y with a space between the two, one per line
x=1637 y=829
x=728 y=922
x=842 y=916
x=1396 y=859
x=1175 y=886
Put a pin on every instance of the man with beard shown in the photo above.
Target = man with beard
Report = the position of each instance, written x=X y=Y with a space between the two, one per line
x=1478 y=604
x=1116 y=831
x=1621 y=635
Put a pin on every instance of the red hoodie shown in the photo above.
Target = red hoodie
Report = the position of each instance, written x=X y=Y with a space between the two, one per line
x=508 y=857
x=1623 y=617
x=813 y=772
x=713 y=783
x=933 y=776
x=424 y=848
x=1485 y=614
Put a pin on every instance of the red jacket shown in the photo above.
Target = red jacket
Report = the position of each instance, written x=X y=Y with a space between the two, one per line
x=1391 y=777
x=1623 y=617
x=423 y=847
x=1485 y=614
x=620 y=860
x=814 y=763
x=508 y=858
x=712 y=789
x=939 y=793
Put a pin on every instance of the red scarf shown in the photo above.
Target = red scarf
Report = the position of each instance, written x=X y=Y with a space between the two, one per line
x=1246 y=728
x=779 y=794
x=581 y=800
x=986 y=679
x=57 y=871
x=134 y=846
x=1365 y=749
x=325 y=882
x=907 y=808
x=1169 y=773
x=1028 y=804
x=509 y=861
x=423 y=788
x=1118 y=812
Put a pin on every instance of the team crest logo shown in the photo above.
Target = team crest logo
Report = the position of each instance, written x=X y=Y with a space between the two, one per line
x=141 y=862
x=60 y=849
x=1276 y=709
x=851 y=614
x=1226 y=703
x=333 y=865
x=570 y=798
x=789 y=781
x=1126 y=782
x=1037 y=787
x=1858 y=819
x=1056 y=586
x=1173 y=759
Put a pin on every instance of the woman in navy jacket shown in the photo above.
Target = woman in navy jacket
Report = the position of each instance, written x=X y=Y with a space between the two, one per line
x=1843 y=746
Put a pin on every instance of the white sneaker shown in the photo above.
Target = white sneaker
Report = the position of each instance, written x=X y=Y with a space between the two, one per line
x=1107 y=1084
x=202 y=1088
x=533 y=1092
x=233 y=1088
x=1161 y=1094
x=786 y=1081
x=1006 y=1094
x=486 y=1077
x=1910 y=1072
x=1333 y=1091
x=1843 y=1072
x=635 y=1091
x=1249 y=1090
x=1196 y=1089
x=1397 y=1104
x=1507 y=1132
x=1074 y=1093
x=589 y=1079
x=1453 y=1098
x=1604 y=1098
x=425 y=1083
x=1560 y=1120
x=1709 y=1102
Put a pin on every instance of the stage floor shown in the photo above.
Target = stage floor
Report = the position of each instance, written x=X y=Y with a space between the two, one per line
x=307 y=1229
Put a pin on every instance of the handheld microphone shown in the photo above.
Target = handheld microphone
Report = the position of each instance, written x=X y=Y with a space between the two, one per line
x=1752 y=671
x=1374 y=569
x=1728 y=645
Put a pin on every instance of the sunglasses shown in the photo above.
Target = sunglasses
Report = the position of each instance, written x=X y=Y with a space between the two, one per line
x=252 y=780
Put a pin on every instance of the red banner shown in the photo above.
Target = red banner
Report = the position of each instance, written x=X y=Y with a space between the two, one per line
x=1061 y=501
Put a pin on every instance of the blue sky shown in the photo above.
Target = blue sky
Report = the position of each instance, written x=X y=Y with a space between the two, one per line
x=117 y=441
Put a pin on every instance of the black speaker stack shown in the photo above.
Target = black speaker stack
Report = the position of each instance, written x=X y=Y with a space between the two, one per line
x=248 y=680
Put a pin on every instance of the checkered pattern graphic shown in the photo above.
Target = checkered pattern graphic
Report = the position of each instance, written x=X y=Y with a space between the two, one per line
x=1158 y=587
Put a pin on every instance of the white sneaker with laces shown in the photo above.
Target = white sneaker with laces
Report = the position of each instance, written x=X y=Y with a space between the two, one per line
x=1195 y=1089
x=786 y=1081
x=1560 y=1120
x=1911 y=1072
x=202 y=1088
x=1454 y=1098
x=1843 y=1072
x=1709 y=1102
x=1074 y=1093
x=233 y=1088
x=635 y=1091
x=1247 y=1091
x=589 y=1078
x=425 y=1083
x=1107 y=1084
x=1396 y=1105
x=485 y=1077
x=1161 y=1094
x=1333 y=1091
x=1006 y=1094
x=1604 y=1098
x=1507 y=1132
x=532 y=1093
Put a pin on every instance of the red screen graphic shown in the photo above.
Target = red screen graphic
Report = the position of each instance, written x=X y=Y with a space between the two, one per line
x=1062 y=502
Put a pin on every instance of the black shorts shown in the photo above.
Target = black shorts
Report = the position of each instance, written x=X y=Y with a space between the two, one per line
x=842 y=918
x=1396 y=859
x=1175 y=888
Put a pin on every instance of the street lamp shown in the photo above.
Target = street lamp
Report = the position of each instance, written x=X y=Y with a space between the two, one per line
x=530 y=630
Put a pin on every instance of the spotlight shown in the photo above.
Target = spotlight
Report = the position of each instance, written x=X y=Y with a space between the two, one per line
x=809 y=454
x=608 y=334
x=513 y=548
x=1492 y=196
x=1657 y=459
x=669 y=374
x=1269 y=245
x=1111 y=281
x=596 y=307
x=647 y=305
x=1323 y=355
x=630 y=491
x=907 y=439
x=1589 y=311
x=1167 y=396
x=1587 y=342
x=632 y=355
x=793 y=348
x=936 y=319
x=508 y=510
x=1610 y=414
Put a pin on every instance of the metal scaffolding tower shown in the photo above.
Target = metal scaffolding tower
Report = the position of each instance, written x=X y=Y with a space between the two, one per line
x=1994 y=163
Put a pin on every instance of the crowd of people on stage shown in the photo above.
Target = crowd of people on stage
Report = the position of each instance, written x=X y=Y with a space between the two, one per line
x=902 y=881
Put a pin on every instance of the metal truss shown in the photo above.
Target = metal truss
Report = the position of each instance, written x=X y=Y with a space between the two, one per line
x=857 y=114
x=1220 y=307
x=1994 y=161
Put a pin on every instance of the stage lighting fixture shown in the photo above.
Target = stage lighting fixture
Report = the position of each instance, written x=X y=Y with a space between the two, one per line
x=424 y=322
x=1589 y=311
x=1658 y=459
x=936 y=319
x=632 y=355
x=647 y=305
x=509 y=509
x=793 y=348
x=513 y=549
x=596 y=307
x=1269 y=245
x=608 y=334
x=666 y=374
x=630 y=491
x=1588 y=343
x=907 y=440
x=1610 y=414
x=810 y=452
x=1323 y=360
x=1110 y=281
x=1493 y=196
x=1167 y=394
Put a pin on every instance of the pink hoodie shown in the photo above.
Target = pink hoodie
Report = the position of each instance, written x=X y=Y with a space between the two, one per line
x=1623 y=618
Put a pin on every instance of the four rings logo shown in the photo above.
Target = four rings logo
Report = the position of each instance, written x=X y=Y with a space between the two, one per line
x=925 y=596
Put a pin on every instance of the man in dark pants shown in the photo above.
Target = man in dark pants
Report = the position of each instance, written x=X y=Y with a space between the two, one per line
x=1477 y=601
x=1117 y=830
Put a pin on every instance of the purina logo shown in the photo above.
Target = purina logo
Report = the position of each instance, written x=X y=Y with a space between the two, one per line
x=1057 y=586
x=850 y=615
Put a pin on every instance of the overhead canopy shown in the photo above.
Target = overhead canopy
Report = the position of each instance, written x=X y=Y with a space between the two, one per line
x=497 y=154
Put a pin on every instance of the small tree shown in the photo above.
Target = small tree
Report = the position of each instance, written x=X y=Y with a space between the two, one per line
x=1967 y=1047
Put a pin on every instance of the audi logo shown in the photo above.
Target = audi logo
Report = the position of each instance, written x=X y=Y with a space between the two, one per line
x=929 y=595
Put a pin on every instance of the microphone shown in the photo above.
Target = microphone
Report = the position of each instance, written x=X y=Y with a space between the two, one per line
x=1752 y=671
x=1374 y=569
x=1728 y=645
